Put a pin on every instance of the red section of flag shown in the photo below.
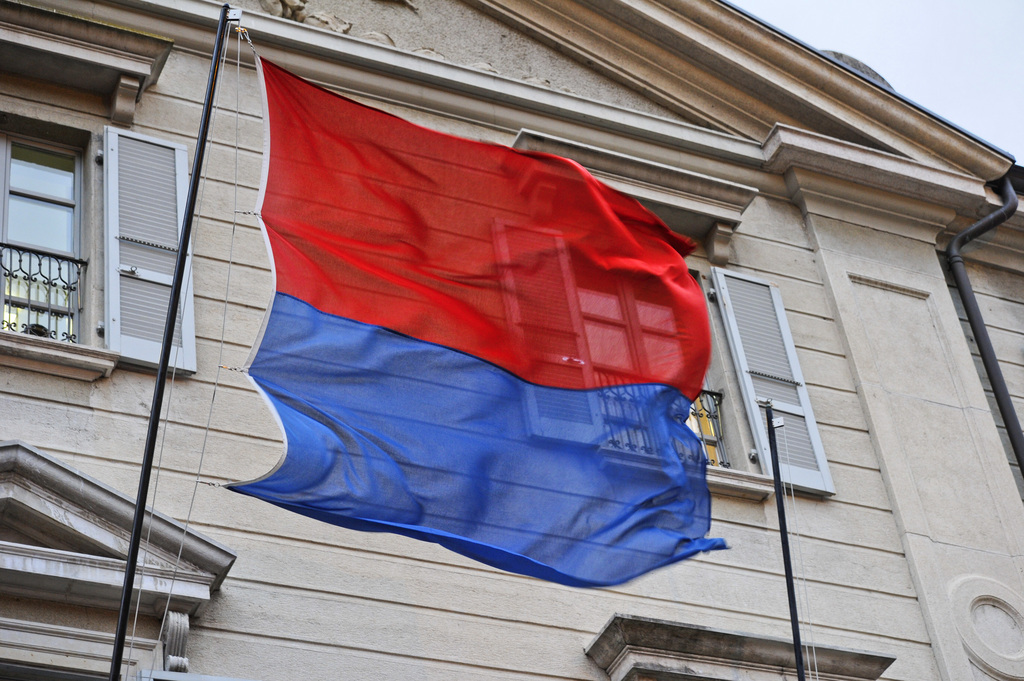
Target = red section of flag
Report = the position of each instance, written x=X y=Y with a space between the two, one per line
x=522 y=259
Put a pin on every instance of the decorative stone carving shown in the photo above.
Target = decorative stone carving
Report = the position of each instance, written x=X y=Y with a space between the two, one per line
x=331 y=22
x=288 y=9
x=175 y=638
x=272 y=7
x=407 y=3
x=716 y=243
x=430 y=54
x=484 y=66
x=989 y=616
x=378 y=37
x=122 y=100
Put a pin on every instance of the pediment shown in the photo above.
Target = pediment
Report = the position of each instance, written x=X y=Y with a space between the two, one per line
x=64 y=536
x=702 y=64
x=714 y=66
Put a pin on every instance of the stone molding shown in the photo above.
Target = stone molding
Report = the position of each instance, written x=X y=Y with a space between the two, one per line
x=175 y=638
x=77 y=530
x=72 y=51
x=995 y=645
x=56 y=647
x=697 y=56
x=728 y=482
x=831 y=197
x=67 y=360
x=364 y=68
x=632 y=648
x=717 y=243
x=691 y=203
x=787 y=147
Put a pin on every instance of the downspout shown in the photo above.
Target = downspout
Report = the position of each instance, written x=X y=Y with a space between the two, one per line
x=963 y=285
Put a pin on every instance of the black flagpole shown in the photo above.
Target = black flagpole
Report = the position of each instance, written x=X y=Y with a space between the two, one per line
x=226 y=16
x=780 y=502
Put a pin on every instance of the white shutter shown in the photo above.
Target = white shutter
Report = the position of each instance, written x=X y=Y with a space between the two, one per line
x=145 y=181
x=766 y=363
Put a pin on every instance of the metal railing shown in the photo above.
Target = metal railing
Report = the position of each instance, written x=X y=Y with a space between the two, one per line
x=705 y=421
x=629 y=434
x=41 y=293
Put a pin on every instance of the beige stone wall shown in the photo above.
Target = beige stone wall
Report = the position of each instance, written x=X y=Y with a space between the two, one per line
x=311 y=597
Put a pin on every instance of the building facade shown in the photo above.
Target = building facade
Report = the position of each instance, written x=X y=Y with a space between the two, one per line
x=821 y=202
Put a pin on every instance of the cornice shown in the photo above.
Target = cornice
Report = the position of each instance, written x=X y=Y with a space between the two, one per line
x=718 y=66
x=658 y=182
x=388 y=74
x=897 y=123
x=787 y=148
x=631 y=647
x=80 y=527
x=75 y=51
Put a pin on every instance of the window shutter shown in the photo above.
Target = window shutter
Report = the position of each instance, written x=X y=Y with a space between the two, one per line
x=766 y=363
x=538 y=306
x=145 y=182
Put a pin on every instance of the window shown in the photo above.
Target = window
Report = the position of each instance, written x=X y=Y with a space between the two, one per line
x=44 y=229
x=145 y=182
x=39 y=226
x=617 y=331
x=767 y=367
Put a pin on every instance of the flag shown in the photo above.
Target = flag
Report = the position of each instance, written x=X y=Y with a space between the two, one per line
x=475 y=346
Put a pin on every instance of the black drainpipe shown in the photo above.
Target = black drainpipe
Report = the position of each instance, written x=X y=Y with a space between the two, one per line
x=963 y=285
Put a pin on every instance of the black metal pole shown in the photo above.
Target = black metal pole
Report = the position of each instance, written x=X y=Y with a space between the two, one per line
x=780 y=502
x=165 y=353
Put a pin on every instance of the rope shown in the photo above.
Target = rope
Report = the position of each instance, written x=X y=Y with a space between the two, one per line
x=242 y=33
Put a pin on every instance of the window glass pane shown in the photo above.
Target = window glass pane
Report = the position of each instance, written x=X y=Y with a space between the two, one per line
x=42 y=172
x=609 y=345
x=40 y=224
x=600 y=304
x=658 y=317
x=662 y=352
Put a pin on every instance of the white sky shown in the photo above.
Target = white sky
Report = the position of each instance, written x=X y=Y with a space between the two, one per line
x=950 y=56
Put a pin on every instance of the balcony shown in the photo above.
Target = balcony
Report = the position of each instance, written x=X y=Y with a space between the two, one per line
x=629 y=436
x=41 y=293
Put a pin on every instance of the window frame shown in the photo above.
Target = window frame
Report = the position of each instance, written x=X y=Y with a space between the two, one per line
x=72 y=256
x=9 y=140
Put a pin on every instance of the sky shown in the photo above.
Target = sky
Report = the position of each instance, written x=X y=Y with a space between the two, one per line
x=960 y=59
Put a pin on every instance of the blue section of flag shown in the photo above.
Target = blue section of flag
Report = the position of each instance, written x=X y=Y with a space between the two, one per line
x=389 y=433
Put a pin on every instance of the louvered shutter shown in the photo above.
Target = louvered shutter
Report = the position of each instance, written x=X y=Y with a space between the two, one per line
x=544 y=308
x=145 y=183
x=766 y=363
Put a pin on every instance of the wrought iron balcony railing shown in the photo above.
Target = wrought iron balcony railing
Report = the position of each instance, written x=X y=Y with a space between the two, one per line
x=41 y=293
x=629 y=435
x=704 y=420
